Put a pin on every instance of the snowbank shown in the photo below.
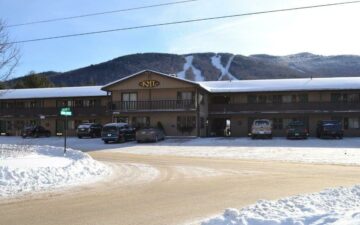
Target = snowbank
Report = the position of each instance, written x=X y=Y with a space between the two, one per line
x=25 y=169
x=332 y=206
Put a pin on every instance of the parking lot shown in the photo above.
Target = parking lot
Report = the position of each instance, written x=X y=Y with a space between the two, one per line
x=312 y=150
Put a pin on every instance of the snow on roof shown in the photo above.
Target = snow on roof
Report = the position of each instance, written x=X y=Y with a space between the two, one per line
x=58 y=92
x=300 y=84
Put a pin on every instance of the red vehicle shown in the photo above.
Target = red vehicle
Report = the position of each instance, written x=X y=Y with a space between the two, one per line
x=35 y=131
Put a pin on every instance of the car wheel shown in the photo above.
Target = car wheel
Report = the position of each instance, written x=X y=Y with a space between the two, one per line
x=106 y=142
x=79 y=136
x=47 y=134
x=340 y=137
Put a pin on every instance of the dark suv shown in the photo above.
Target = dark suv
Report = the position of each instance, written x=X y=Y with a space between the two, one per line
x=35 y=131
x=297 y=129
x=117 y=132
x=89 y=130
x=329 y=128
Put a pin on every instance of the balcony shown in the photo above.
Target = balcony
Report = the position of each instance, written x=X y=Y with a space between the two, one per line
x=154 y=106
x=310 y=107
x=52 y=111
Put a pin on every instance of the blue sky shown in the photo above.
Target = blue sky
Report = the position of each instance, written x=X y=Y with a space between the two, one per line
x=326 y=31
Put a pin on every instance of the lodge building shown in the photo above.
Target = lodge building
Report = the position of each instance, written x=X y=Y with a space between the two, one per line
x=187 y=108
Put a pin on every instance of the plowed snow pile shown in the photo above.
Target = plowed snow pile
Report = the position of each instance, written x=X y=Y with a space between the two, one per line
x=340 y=206
x=25 y=169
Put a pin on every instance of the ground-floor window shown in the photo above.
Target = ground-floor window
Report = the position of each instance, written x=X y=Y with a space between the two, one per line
x=286 y=122
x=353 y=123
x=19 y=124
x=186 y=123
x=141 y=121
x=121 y=119
x=277 y=123
x=32 y=122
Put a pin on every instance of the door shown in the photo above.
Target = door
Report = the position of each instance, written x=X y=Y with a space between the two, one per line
x=129 y=100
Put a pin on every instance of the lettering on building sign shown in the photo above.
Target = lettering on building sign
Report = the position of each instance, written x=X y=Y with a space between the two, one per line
x=149 y=83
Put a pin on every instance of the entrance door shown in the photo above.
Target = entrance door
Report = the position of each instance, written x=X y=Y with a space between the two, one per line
x=2 y=126
x=221 y=127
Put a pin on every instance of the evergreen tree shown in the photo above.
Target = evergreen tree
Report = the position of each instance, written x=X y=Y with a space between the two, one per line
x=33 y=80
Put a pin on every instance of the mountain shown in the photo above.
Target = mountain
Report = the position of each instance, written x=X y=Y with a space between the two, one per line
x=212 y=66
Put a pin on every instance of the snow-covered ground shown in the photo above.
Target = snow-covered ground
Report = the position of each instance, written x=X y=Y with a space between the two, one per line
x=29 y=168
x=216 y=61
x=189 y=65
x=340 y=206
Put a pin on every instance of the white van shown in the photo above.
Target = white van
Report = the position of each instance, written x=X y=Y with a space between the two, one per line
x=261 y=128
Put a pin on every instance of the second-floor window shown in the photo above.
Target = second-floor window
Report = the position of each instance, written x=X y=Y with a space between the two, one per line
x=277 y=99
x=345 y=97
x=252 y=99
x=141 y=121
x=86 y=102
x=129 y=96
x=64 y=103
x=185 y=95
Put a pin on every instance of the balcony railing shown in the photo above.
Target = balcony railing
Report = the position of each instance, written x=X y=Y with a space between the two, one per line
x=52 y=111
x=311 y=107
x=157 y=105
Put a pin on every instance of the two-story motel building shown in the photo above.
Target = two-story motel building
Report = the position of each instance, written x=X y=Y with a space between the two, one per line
x=187 y=108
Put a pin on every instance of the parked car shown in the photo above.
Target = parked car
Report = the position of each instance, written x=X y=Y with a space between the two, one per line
x=149 y=134
x=117 y=132
x=329 y=128
x=89 y=130
x=297 y=129
x=4 y=133
x=35 y=131
x=261 y=128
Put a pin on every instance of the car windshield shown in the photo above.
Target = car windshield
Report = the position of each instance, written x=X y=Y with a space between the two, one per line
x=295 y=125
x=331 y=125
x=110 y=129
x=84 y=126
x=261 y=123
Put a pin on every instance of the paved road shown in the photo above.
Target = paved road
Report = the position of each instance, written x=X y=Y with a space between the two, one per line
x=181 y=190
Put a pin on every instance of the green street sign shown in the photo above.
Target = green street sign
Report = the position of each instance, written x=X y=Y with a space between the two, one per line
x=65 y=112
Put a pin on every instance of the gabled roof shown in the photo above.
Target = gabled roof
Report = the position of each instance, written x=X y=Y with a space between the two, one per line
x=58 y=92
x=151 y=71
x=273 y=85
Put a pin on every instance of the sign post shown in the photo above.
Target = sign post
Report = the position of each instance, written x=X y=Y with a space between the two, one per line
x=65 y=112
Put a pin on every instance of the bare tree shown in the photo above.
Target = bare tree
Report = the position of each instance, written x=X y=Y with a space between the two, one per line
x=9 y=54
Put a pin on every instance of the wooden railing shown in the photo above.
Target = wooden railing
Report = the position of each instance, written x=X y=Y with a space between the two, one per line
x=283 y=107
x=156 y=105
